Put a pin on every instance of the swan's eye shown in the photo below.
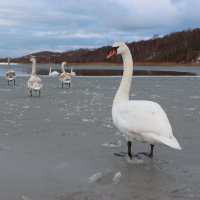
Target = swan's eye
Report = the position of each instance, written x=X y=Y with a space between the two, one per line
x=115 y=48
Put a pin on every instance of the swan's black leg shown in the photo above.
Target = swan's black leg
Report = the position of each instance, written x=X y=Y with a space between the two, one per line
x=129 y=143
x=69 y=85
x=14 y=81
x=39 y=93
x=148 y=154
x=151 y=152
x=31 y=92
x=122 y=154
x=62 y=85
x=8 y=82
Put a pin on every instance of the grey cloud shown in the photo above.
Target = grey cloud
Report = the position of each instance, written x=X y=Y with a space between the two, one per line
x=32 y=25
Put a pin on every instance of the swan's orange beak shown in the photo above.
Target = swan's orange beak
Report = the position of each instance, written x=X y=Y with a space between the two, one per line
x=112 y=53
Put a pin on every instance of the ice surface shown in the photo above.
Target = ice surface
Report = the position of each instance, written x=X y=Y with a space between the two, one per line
x=116 y=178
x=135 y=160
x=60 y=158
x=26 y=106
x=25 y=198
x=95 y=177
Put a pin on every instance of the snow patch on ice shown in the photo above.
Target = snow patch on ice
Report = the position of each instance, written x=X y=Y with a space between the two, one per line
x=135 y=160
x=25 y=198
x=116 y=178
x=112 y=145
x=155 y=96
x=195 y=97
x=5 y=89
x=88 y=120
x=95 y=177
x=189 y=109
x=107 y=125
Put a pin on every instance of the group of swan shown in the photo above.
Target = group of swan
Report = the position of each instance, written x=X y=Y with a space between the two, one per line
x=35 y=83
x=10 y=74
x=55 y=73
x=142 y=120
x=64 y=77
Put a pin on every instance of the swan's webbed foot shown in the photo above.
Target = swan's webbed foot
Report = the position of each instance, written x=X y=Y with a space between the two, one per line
x=150 y=155
x=145 y=154
x=121 y=154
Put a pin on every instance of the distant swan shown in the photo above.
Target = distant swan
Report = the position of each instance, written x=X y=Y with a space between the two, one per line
x=72 y=73
x=64 y=77
x=54 y=73
x=10 y=74
x=34 y=83
x=142 y=120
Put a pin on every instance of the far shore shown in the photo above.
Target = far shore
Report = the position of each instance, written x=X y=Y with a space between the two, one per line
x=144 y=64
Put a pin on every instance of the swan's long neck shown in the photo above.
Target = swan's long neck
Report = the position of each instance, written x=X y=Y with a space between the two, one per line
x=33 y=68
x=49 y=70
x=9 y=68
x=62 y=67
x=125 y=85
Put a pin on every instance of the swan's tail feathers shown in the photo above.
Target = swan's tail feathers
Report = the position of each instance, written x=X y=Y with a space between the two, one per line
x=171 y=142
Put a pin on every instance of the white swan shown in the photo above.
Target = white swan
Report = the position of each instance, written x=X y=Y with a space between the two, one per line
x=72 y=73
x=142 y=120
x=34 y=83
x=10 y=74
x=64 y=77
x=54 y=73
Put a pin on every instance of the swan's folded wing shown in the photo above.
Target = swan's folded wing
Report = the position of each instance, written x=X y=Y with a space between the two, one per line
x=143 y=117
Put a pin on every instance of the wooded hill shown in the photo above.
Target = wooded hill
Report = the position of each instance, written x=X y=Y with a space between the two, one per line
x=178 y=47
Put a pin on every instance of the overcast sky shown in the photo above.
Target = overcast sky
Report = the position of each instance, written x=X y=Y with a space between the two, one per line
x=28 y=26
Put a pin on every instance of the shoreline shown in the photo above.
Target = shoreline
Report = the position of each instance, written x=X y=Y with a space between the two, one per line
x=144 y=64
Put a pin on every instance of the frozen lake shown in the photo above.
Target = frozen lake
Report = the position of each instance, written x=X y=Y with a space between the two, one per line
x=51 y=146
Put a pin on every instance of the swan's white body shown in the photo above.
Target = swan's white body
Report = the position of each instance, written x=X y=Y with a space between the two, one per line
x=64 y=77
x=54 y=73
x=34 y=83
x=10 y=74
x=144 y=121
